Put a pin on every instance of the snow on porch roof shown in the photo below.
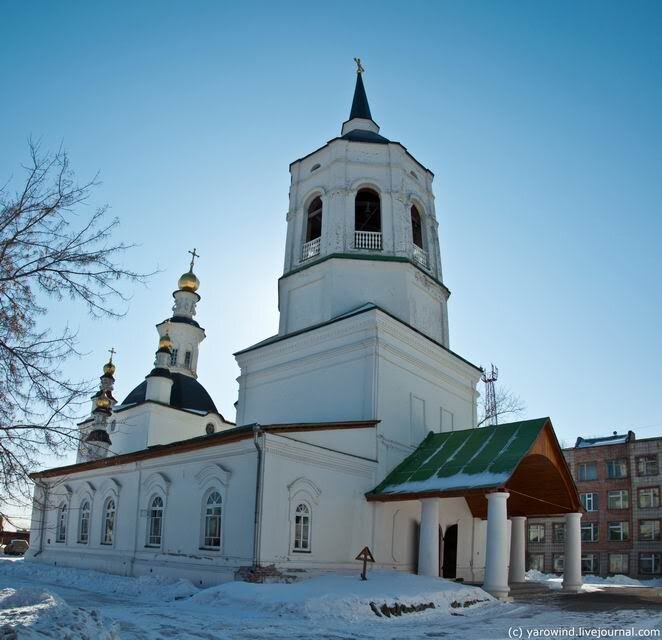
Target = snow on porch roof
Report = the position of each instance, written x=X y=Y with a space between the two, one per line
x=459 y=460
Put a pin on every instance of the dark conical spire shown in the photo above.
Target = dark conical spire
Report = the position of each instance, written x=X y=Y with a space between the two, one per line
x=360 y=106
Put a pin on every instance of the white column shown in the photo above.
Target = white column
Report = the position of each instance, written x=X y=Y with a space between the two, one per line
x=496 y=555
x=572 y=568
x=517 y=549
x=428 y=541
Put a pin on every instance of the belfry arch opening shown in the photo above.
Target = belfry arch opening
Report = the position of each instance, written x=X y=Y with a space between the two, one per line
x=314 y=220
x=416 y=227
x=367 y=211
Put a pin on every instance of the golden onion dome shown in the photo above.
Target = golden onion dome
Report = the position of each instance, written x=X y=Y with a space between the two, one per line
x=165 y=342
x=103 y=401
x=188 y=282
x=109 y=368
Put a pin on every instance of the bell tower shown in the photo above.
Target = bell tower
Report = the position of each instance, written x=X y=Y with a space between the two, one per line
x=361 y=230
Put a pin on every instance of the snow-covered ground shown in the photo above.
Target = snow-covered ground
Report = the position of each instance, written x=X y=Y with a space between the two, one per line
x=591 y=583
x=38 y=601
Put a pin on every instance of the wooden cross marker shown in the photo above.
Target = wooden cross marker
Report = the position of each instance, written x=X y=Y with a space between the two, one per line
x=366 y=556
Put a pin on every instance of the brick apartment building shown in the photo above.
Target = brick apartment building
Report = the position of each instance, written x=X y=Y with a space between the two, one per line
x=619 y=482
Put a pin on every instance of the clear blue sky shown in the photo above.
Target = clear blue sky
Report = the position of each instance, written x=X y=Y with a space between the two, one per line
x=541 y=120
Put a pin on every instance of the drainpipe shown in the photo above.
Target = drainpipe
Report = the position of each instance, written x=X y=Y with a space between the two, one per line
x=42 y=523
x=257 y=433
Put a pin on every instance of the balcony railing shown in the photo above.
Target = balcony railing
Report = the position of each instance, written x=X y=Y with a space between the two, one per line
x=368 y=240
x=421 y=256
x=310 y=249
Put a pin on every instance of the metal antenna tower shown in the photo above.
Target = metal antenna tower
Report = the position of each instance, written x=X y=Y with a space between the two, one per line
x=489 y=378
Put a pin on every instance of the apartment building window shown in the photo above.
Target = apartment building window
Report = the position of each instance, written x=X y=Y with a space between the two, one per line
x=537 y=533
x=619 y=563
x=590 y=532
x=590 y=501
x=558 y=532
x=618 y=499
x=587 y=471
x=649 y=530
x=619 y=531
x=649 y=498
x=557 y=562
x=650 y=564
x=590 y=563
x=617 y=468
x=647 y=465
x=536 y=562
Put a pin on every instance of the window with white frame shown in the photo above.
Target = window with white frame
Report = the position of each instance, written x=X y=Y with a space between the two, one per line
x=536 y=562
x=618 y=499
x=649 y=498
x=84 y=522
x=302 y=523
x=108 y=522
x=61 y=523
x=617 y=468
x=213 y=508
x=590 y=532
x=619 y=531
x=587 y=471
x=619 y=563
x=155 y=522
x=647 y=465
x=558 y=561
x=590 y=501
x=536 y=533
x=590 y=563
x=558 y=532
x=650 y=564
x=649 y=530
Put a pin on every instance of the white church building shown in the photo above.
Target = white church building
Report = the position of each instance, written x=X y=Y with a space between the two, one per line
x=386 y=456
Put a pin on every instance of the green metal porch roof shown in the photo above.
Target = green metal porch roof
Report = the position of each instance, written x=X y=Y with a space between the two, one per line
x=457 y=460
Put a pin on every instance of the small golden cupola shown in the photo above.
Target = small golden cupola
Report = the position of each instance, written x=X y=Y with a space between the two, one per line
x=189 y=281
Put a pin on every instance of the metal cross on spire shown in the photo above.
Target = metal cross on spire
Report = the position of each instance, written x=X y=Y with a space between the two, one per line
x=194 y=255
x=112 y=352
x=359 y=66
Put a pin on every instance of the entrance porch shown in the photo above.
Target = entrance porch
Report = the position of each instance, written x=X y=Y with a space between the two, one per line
x=505 y=474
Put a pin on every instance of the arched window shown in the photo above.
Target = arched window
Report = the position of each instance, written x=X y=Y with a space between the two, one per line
x=212 y=521
x=84 y=522
x=155 y=522
x=108 y=524
x=367 y=211
x=61 y=523
x=314 y=225
x=302 y=521
x=416 y=227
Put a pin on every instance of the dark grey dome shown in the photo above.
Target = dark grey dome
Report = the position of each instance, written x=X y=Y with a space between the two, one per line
x=98 y=435
x=186 y=393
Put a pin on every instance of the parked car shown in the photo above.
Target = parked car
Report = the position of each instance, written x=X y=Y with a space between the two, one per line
x=17 y=548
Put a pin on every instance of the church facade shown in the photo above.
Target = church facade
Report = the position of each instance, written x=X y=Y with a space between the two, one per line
x=387 y=456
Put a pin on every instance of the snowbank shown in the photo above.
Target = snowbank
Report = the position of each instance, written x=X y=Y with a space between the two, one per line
x=32 y=613
x=554 y=581
x=144 y=587
x=348 y=598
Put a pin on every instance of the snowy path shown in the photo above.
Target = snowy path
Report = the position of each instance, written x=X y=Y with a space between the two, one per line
x=140 y=609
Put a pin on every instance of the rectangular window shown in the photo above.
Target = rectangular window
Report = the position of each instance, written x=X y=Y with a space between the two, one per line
x=173 y=358
x=649 y=530
x=619 y=531
x=187 y=359
x=649 y=498
x=536 y=562
x=590 y=501
x=617 y=468
x=618 y=499
x=619 y=563
x=590 y=532
x=587 y=471
x=558 y=531
x=590 y=563
x=557 y=563
x=650 y=564
x=536 y=533
x=647 y=465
